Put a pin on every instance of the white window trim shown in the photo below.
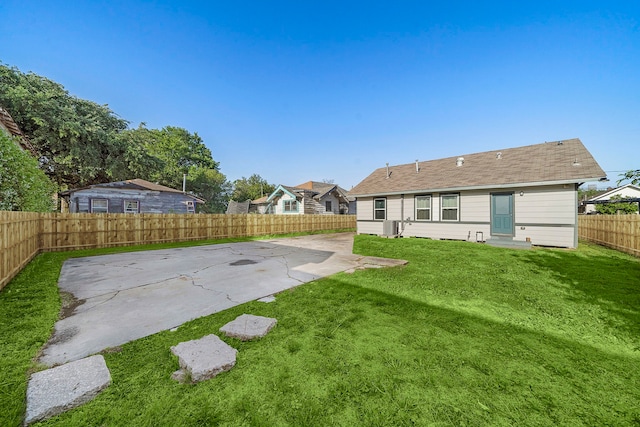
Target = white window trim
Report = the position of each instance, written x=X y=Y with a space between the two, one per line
x=376 y=209
x=284 y=206
x=457 y=208
x=191 y=206
x=99 y=200
x=430 y=208
x=137 y=202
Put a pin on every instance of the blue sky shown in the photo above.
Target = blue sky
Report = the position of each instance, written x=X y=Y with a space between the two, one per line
x=297 y=91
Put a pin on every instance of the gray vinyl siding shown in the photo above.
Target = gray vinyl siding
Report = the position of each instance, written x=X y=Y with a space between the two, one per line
x=394 y=208
x=542 y=205
x=335 y=204
x=546 y=215
x=149 y=201
x=364 y=210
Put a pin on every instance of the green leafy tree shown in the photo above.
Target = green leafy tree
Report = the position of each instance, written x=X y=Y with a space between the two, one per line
x=632 y=175
x=137 y=161
x=212 y=186
x=586 y=194
x=616 y=205
x=23 y=185
x=251 y=188
x=76 y=138
x=165 y=155
x=82 y=143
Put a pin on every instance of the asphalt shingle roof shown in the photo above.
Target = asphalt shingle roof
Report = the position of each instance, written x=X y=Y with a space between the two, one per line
x=8 y=123
x=134 y=184
x=560 y=161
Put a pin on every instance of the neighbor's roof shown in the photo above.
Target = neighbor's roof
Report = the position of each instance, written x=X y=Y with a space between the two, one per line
x=322 y=188
x=606 y=195
x=260 y=200
x=559 y=162
x=134 y=184
x=7 y=122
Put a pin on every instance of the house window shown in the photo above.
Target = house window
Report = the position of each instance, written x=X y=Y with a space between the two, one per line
x=131 y=206
x=423 y=208
x=327 y=206
x=291 y=206
x=450 y=207
x=380 y=209
x=191 y=208
x=99 y=206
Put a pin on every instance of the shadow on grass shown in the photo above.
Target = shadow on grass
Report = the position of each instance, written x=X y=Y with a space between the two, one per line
x=606 y=278
x=550 y=379
x=348 y=350
x=344 y=354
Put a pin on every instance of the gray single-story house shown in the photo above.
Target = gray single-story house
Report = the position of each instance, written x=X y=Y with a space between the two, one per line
x=130 y=196
x=310 y=197
x=524 y=194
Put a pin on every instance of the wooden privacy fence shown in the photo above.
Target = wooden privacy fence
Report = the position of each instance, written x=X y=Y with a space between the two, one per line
x=621 y=232
x=24 y=234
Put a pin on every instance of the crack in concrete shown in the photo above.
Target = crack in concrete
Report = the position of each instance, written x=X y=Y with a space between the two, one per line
x=286 y=264
x=193 y=283
x=116 y=292
x=108 y=265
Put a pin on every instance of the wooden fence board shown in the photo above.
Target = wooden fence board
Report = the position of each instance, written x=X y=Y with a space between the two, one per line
x=24 y=234
x=19 y=242
x=621 y=232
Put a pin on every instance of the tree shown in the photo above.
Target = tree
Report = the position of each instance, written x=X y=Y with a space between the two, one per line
x=164 y=155
x=617 y=205
x=76 y=138
x=82 y=143
x=136 y=161
x=23 y=185
x=632 y=175
x=587 y=194
x=210 y=185
x=251 y=188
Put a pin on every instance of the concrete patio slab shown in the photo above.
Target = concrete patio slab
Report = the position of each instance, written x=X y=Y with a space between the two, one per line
x=247 y=327
x=56 y=390
x=122 y=297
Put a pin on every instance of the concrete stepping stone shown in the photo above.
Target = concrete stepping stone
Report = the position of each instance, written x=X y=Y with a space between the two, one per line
x=203 y=359
x=247 y=327
x=267 y=299
x=56 y=390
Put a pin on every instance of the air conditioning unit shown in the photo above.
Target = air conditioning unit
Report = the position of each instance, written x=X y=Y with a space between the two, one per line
x=390 y=228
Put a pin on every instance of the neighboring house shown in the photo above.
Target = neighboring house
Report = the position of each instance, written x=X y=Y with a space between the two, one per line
x=308 y=198
x=10 y=127
x=628 y=191
x=234 y=208
x=259 y=205
x=524 y=194
x=131 y=196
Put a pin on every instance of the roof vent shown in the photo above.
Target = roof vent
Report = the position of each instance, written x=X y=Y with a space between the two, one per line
x=417 y=166
x=459 y=161
x=388 y=173
x=575 y=163
x=499 y=155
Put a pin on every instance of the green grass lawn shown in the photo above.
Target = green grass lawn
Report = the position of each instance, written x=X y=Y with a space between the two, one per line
x=465 y=334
